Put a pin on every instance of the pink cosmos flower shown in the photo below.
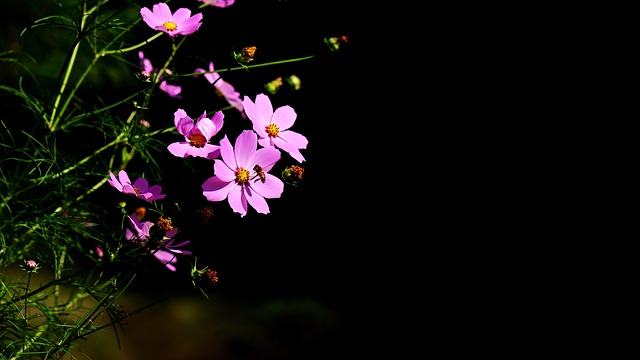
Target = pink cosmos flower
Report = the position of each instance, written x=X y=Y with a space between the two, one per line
x=242 y=175
x=197 y=135
x=140 y=188
x=218 y=3
x=147 y=66
x=171 y=90
x=139 y=231
x=273 y=127
x=224 y=88
x=179 y=23
x=167 y=251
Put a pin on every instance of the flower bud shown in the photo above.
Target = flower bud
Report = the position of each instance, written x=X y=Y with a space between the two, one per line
x=292 y=175
x=294 y=82
x=273 y=86
x=334 y=43
x=246 y=55
x=30 y=265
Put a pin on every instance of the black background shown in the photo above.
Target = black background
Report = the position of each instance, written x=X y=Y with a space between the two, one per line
x=318 y=242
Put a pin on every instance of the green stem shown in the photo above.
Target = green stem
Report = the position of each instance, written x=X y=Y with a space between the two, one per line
x=24 y=342
x=252 y=66
x=103 y=53
x=55 y=118
x=105 y=147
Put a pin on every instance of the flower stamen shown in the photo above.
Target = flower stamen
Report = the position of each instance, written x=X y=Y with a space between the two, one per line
x=165 y=223
x=170 y=25
x=242 y=176
x=197 y=140
x=273 y=130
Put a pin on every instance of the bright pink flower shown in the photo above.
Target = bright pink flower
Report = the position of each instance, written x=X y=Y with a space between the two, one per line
x=140 y=188
x=166 y=251
x=139 y=231
x=219 y=3
x=197 y=135
x=171 y=90
x=224 y=88
x=179 y=23
x=242 y=175
x=273 y=127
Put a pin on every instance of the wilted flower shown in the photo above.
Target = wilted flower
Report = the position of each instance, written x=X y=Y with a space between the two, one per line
x=211 y=276
x=140 y=188
x=293 y=174
x=273 y=127
x=246 y=55
x=179 y=23
x=197 y=135
x=204 y=214
x=242 y=175
x=225 y=89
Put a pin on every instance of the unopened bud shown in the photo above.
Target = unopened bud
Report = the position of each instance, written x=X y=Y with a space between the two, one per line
x=273 y=86
x=294 y=82
x=334 y=43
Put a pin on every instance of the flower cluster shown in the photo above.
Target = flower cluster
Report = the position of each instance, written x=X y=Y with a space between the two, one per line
x=240 y=170
x=132 y=155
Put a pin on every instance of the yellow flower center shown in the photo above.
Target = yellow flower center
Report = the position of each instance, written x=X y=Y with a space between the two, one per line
x=197 y=140
x=170 y=25
x=273 y=130
x=242 y=176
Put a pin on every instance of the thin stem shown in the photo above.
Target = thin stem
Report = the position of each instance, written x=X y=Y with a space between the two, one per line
x=105 y=147
x=251 y=66
x=26 y=292
x=54 y=120
x=103 y=53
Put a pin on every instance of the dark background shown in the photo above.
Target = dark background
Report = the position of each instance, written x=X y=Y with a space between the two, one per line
x=300 y=282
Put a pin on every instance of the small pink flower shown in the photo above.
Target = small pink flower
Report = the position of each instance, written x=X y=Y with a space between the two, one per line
x=273 y=126
x=218 y=3
x=30 y=265
x=171 y=90
x=166 y=251
x=224 y=88
x=242 y=175
x=148 y=69
x=140 y=188
x=139 y=231
x=179 y=23
x=196 y=135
